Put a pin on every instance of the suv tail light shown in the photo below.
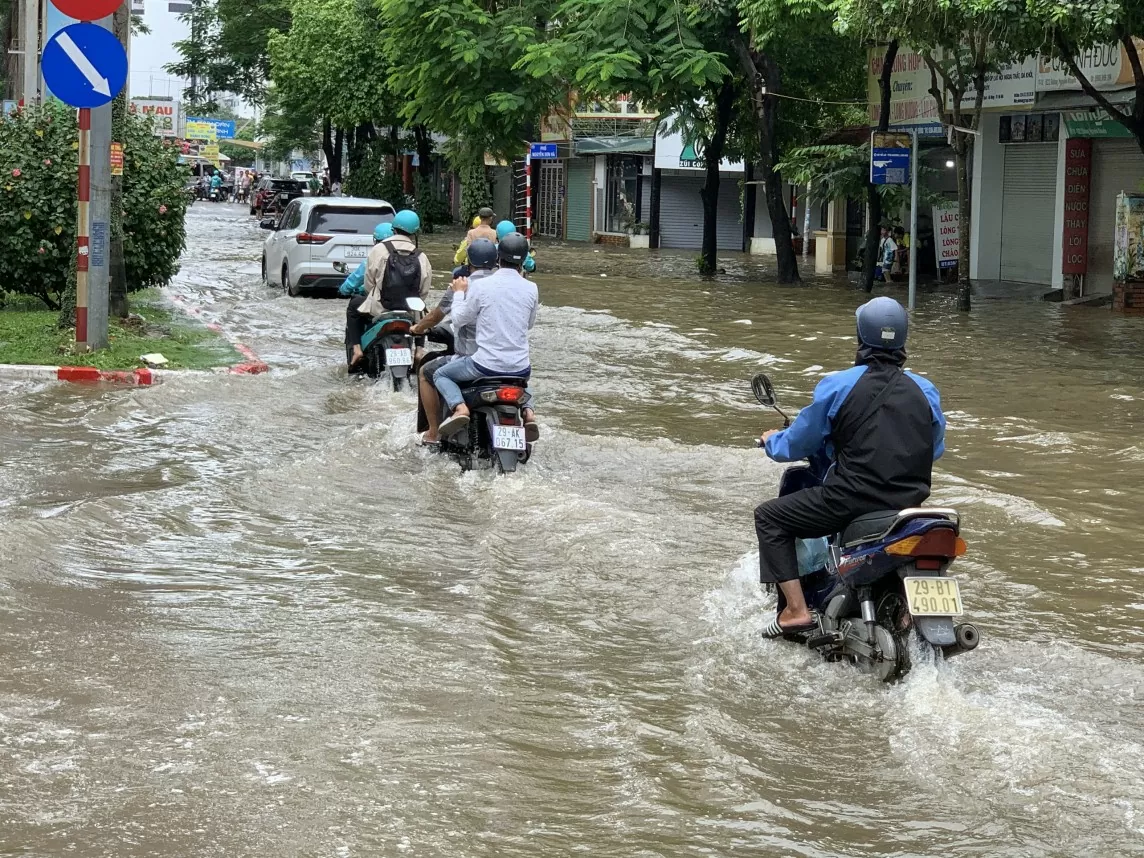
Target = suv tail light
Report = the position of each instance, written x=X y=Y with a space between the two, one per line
x=311 y=238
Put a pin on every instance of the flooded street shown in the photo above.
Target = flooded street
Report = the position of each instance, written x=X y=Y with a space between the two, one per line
x=248 y=616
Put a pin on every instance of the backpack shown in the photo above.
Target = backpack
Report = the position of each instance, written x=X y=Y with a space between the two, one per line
x=402 y=277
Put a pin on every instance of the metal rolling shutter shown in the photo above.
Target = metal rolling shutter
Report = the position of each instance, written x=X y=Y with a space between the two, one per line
x=1117 y=165
x=1028 y=213
x=579 y=198
x=681 y=213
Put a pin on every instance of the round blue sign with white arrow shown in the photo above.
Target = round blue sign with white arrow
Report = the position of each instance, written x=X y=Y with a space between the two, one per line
x=84 y=65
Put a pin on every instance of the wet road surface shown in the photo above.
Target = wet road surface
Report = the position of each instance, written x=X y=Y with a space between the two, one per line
x=248 y=616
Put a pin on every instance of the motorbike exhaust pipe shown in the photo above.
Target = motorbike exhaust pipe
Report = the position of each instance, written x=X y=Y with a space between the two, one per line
x=966 y=640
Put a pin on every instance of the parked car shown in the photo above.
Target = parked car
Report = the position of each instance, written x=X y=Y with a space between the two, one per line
x=303 y=176
x=312 y=234
x=273 y=195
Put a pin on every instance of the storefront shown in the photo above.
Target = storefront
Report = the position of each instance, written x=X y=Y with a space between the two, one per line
x=682 y=176
x=1117 y=166
x=620 y=173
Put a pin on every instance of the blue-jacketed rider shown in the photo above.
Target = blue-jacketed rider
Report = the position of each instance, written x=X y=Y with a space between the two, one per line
x=880 y=427
x=507 y=227
x=355 y=283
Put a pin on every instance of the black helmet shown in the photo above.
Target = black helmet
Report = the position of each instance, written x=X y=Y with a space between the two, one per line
x=482 y=253
x=513 y=249
x=882 y=324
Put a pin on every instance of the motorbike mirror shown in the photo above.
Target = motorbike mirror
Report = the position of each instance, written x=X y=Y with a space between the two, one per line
x=341 y=267
x=415 y=304
x=268 y=223
x=764 y=390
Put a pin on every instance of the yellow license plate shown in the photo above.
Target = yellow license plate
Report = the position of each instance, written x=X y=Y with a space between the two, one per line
x=933 y=597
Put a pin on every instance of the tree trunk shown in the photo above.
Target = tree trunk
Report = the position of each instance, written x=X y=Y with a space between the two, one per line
x=328 y=144
x=424 y=151
x=873 y=197
x=336 y=163
x=118 y=306
x=713 y=154
x=964 y=290
x=764 y=77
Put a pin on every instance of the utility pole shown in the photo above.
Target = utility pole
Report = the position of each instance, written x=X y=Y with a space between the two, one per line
x=100 y=235
x=117 y=269
x=30 y=38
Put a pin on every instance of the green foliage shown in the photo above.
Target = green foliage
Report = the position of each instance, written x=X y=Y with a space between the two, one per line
x=843 y=171
x=475 y=190
x=319 y=75
x=227 y=48
x=154 y=207
x=38 y=203
x=455 y=68
x=431 y=205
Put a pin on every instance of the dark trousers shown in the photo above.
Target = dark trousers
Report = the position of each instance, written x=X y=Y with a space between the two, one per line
x=356 y=323
x=800 y=515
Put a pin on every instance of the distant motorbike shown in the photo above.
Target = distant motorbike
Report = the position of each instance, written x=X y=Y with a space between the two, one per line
x=215 y=195
x=883 y=580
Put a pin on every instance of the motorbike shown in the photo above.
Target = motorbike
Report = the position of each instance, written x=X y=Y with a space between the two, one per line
x=387 y=343
x=216 y=194
x=883 y=592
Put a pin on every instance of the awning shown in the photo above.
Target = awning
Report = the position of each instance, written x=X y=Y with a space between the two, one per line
x=614 y=145
x=1078 y=100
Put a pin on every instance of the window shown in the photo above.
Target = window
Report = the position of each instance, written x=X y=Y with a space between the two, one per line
x=623 y=192
x=286 y=185
x=348 y=221
x=291 y=217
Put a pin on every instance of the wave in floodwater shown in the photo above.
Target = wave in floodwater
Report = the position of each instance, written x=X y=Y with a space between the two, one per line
x=250 y=616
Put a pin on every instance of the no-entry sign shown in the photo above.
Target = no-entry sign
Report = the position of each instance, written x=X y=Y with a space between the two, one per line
x=87 y=10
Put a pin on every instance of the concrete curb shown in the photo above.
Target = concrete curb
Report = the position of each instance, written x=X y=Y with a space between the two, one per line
x=142 y=377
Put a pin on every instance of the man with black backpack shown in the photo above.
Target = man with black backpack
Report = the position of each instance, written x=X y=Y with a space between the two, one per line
x=396 y=269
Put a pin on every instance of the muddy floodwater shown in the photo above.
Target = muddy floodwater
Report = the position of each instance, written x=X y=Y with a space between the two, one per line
x=250 y=617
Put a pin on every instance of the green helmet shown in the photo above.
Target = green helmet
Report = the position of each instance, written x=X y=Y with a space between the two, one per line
x=505 y=227
x=407 y=222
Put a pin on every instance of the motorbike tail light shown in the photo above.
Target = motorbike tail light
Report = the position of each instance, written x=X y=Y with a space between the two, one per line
x=510 y=394
x=312 y=238
x=396 y=325
x=939 y=542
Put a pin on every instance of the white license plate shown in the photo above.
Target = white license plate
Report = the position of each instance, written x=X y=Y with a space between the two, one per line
x=357 y=252
x=933 y=597
x=509 y=438
x=399 y=357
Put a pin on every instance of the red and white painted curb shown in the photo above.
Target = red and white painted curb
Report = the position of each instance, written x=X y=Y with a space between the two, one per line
x=139 y=377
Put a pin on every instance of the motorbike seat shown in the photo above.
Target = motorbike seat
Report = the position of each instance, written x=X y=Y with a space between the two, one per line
x=868 y=527
x=496 y=381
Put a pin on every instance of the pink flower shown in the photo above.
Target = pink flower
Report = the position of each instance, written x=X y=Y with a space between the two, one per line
x=42 y=250
x=16 y=172
x=47 y=162
x=162 y=209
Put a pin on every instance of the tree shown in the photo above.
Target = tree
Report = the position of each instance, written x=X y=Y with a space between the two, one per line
x=1066 y=28
x=782 y=47
x=665 y=53
x=873 y=192
x=454 y=67
x=228 y=48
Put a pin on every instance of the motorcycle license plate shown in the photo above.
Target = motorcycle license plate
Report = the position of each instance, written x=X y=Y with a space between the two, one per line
x=509 y=438
x=933 y=597
x=356 y=253
x=399 y=357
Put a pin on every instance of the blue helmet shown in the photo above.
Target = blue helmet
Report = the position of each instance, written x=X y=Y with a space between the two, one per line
x=382 y=232
x=482 y=253
x=882 y=324
x=407 y=222
x=505 y=227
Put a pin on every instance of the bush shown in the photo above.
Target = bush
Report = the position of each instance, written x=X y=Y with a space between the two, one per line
x=38 y=166
x=154 y=206
x=371 y=179
x=38 y=175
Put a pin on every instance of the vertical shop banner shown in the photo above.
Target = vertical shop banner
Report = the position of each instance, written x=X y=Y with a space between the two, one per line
x=946 y=235
x=1078 y=181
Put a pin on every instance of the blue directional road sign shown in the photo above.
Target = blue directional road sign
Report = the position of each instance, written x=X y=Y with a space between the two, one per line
x=84 y=65
x=542 y=151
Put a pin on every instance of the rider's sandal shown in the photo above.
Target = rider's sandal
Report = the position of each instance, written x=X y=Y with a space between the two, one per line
x=421 y=442
x=531 y=431
x=453 y=425
x=774 y=630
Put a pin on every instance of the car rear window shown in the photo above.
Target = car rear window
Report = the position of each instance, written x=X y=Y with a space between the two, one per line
x=286 y=185
x=349 y=221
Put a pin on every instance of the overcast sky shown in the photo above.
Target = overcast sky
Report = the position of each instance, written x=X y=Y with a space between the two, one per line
x=151 y=52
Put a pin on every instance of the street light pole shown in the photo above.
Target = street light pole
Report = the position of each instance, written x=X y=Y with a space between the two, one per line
x=913 y=257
